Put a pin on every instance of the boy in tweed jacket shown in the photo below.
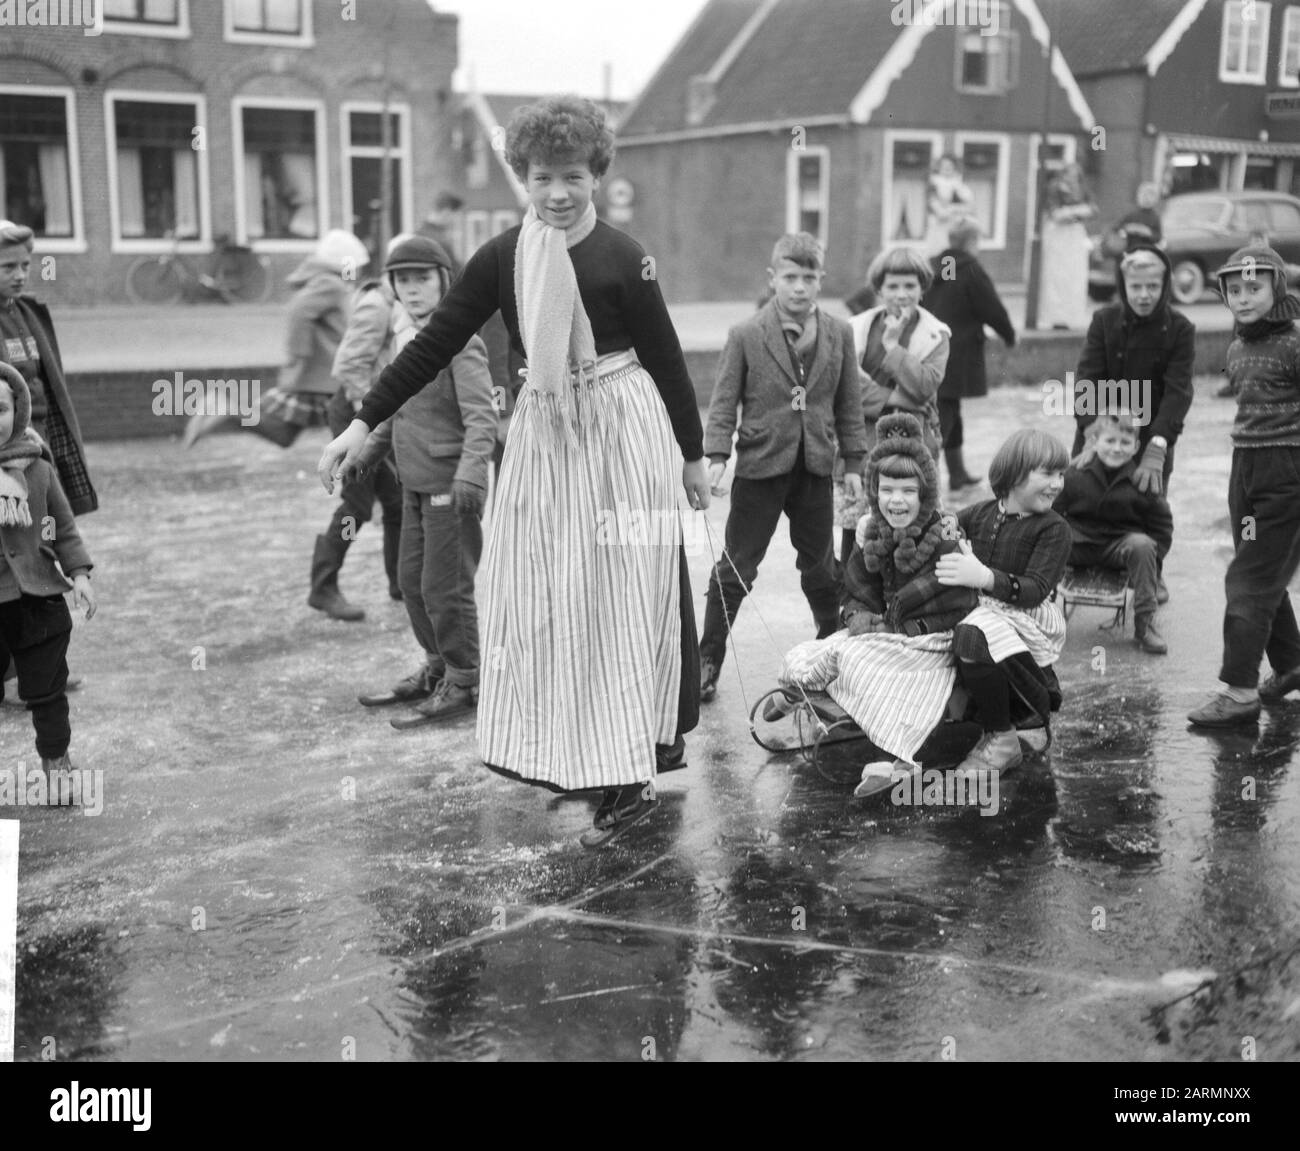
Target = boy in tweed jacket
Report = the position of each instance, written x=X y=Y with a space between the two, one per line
x=793 y=373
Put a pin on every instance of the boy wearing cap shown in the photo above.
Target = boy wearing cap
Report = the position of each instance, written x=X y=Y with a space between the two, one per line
x=443 y=439
x=34 y=619
x=1263 y=490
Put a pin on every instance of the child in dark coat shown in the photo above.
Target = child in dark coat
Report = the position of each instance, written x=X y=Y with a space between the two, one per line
x=793 y=371
x=1116 y=524
x=34 y=620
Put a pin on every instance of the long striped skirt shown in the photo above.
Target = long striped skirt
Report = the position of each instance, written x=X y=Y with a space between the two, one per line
x=582 y=628
x=895 y=687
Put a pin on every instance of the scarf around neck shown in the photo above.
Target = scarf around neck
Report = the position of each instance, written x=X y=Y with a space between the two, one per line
x=16 y=457
x=553 y=324
x=1278 y=319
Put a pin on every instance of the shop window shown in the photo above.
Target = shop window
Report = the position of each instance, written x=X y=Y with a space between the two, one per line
x=35 y=183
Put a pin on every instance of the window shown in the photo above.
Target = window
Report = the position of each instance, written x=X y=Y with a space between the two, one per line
x=989 y=65
x=269 y=22
x=363 y=159
x=907 y=177
x=807 y=191
x=1283 y=217
x=147 y=17
x=38 y=163
x=1260 y=173
x=985 y=172
x=280 y=182
x=1288 y=63
x=157 y=184
x=1243 y=48
x=1250 y=217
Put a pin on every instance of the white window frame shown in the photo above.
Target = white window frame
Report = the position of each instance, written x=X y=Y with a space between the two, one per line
x=120 y=243
x=400 y=150
x=1290 y=26
x=996 y=242
x=77 y=241
x=1263 y=8
x=894 y=136
x=503 y=219
x=178 y=31
x=1069 y=155
x=237 y=106
x=304 y=39
x=1012 y=37
x=792 y=206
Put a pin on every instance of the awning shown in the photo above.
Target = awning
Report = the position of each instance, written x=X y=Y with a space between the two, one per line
x=1235 y=147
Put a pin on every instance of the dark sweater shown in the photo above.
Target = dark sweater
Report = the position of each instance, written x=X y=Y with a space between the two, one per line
x=1028 y=554
x=1102 y=506
x=911 y=605
x=622 y=300
x=1266 y=375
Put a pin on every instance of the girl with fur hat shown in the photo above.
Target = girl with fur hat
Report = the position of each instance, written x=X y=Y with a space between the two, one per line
x=1263 y=491
x=891 y=666
x=34 y=620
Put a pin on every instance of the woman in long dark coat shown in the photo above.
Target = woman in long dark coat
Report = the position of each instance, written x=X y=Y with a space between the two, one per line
x=963 y=297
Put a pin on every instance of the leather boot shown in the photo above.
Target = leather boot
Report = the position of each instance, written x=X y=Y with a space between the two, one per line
x=392 y=542
x=325 y=595
x=958 y=477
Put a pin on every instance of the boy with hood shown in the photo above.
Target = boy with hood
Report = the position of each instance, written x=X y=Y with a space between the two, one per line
x=34 y=620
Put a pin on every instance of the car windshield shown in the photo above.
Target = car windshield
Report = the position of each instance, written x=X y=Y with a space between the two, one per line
x=1191 y=213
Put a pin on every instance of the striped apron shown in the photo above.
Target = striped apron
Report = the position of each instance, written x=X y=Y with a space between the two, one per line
x=581 y=653
x=1008 y=630
x=895 y=687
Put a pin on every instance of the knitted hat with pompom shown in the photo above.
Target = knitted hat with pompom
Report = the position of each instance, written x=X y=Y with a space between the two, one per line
x=900 y=434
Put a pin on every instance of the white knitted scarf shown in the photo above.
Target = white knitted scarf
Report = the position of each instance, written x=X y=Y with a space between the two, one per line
x=553 y=324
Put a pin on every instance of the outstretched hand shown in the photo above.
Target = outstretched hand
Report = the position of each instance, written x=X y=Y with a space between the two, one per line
x=341 y=454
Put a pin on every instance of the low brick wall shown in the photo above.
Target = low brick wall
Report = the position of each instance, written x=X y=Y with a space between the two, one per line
x=120 y=405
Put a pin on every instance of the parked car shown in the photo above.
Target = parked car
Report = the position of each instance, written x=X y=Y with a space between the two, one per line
x=1202 y=229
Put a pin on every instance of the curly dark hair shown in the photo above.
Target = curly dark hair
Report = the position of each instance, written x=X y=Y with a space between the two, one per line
x=559 y=128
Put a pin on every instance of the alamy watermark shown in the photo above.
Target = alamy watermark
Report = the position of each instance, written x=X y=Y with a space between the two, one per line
x=1093 y=397
x=981 y=14
x=922 y=787
x=181 y=397
x=60 y=787
x=88 y=15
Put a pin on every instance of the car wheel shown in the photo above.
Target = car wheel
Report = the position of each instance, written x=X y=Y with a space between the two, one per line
x=1188 y=282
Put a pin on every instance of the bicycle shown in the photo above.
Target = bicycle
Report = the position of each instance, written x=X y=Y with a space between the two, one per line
x=234 y=275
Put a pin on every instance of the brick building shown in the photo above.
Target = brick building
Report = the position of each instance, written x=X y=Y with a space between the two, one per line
x=256 y=119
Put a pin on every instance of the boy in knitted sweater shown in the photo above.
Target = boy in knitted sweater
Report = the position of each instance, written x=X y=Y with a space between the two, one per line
x=36 y=528
x=1263 y=490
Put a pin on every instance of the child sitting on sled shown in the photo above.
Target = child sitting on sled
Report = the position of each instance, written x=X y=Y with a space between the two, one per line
x=891 y=666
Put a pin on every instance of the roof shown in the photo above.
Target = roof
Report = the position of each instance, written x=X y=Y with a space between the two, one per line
x=1098 y=36
x=755 y=62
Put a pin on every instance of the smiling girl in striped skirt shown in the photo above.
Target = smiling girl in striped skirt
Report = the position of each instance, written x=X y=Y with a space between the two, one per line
x=590 y=668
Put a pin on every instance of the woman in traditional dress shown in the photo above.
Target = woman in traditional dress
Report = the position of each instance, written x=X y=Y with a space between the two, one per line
x=1063 y=296
x=590 y=658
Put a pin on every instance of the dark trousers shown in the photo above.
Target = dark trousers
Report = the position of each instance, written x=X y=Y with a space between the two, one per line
x=1136 y=554
x=951 y=431
x=1264 y=506
x=756 y=507
x=436 y=565
x=36 y=631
